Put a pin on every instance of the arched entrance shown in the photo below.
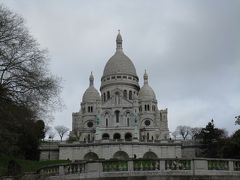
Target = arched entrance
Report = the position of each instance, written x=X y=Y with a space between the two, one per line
x=91 y=156
x=150 y=155
x=105 y=136
x=121 y=155
x=128 y=137
x=116 y=136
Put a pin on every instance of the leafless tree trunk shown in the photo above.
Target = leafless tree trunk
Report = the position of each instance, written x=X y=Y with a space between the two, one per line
x=24 y=77
x=61 y=130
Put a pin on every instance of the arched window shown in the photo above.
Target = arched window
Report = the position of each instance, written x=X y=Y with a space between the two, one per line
x=108 y=95
x=117 y=98
x=125 y=94
x=117 y=116
x=105 y=136
x=104 y=97
x=128 y=137
x=116 y=136
x=107 y=122
x=140 y=109
x=89 y=138
x=128 y=122
x=147 y=107
x=130 y=95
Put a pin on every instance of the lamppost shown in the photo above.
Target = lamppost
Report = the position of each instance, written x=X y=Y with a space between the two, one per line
x=49 y=150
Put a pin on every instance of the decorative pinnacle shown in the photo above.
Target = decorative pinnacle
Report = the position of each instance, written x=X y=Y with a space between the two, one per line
x=91 y=79
x=119 y=41
x=145 y=77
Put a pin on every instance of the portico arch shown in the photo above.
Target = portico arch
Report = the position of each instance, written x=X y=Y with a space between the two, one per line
x=150 y=155
x=121 y=155
x=91 y=156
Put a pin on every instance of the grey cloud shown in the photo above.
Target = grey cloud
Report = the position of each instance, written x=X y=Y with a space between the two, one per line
x=191 y=50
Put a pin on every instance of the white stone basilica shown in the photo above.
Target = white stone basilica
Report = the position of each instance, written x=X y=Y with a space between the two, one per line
x=123 y=121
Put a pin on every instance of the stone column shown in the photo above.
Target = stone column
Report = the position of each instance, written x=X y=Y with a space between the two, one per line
x=231 y=168
x=130 y=165
x=61 y=170
x=162 y=165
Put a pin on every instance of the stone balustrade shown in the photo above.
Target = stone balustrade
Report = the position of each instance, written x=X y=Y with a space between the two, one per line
x=218 y=165
x=74 y=168
x=236 y=165
x=146 y=165
x=178 y=164
x=110 y=166
x=50 y=170
x=136 y=167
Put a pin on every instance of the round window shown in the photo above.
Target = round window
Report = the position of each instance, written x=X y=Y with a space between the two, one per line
x=147 y=122
x=90 y=124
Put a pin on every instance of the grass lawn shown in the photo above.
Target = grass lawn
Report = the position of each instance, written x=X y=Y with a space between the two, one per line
x=27 y=165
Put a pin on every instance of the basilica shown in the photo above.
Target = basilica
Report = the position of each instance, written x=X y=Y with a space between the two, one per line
x=122 y=120
x=123 y=111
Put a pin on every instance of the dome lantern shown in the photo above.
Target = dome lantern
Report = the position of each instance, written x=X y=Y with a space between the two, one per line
x=91 y=80
x=145 y=77
x=119 y=42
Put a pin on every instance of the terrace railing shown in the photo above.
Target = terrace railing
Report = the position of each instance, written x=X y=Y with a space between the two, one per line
x=177 y=164
x=146 y=165
x=218 y=165
x=111 y=166
x=135 y=166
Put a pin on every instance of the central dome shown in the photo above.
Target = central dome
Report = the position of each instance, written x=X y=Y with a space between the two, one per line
x=119 y=63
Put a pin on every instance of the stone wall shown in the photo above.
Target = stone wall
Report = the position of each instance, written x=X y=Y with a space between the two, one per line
x=108 y=150
x=49 y=150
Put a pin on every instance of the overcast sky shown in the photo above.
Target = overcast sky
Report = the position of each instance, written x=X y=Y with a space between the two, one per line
x=191 y=50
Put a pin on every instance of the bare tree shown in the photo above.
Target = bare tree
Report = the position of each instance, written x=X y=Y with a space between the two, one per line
x=61 y=130
x=195 y=132
x=237 y=121
x=174 y=134
x=28 y=90
x=183 y=131
x=24 y=76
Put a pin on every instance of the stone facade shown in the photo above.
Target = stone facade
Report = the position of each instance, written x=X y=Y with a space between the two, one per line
x=123 y=115
x=119 y=151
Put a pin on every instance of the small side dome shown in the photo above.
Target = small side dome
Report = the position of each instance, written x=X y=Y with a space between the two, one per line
x=146 y=93
x=91 y=94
